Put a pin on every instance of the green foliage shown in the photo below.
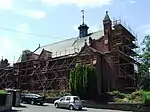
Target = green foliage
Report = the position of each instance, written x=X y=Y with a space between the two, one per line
x=136 y=94
x=144 y=67
x=134 y=97
x=55 y=94
x=146 y=98
x=117 y=94
x=3 y=92
x=82 y=80
x=50 y=94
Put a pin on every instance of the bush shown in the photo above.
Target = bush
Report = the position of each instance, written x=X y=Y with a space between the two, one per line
x=117 y=94
x=135 y=97
x=3 y=92
x=50 y=94
x=55 y=94
x=146 y=98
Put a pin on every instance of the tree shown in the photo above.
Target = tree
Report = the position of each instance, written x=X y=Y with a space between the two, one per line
x=144 y=67
x=83 y=81
x=4 y=63
x=25 y=55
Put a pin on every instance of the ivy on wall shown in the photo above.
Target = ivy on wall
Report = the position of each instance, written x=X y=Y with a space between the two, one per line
x=83 y=80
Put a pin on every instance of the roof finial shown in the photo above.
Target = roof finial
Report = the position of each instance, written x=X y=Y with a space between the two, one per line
x=106 y=16
x=83 y=15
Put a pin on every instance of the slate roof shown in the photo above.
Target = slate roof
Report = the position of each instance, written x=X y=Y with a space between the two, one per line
x=68 y=46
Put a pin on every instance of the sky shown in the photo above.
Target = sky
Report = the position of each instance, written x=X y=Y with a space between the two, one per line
x=51 y=21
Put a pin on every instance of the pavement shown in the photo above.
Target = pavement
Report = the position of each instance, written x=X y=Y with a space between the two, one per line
x=50 y=108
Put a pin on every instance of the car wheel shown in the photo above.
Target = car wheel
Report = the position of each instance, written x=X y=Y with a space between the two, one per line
x=80 y=108
x=32 y=102
x=21 y=101
x=41 y=103
x=56 y=105
x=71 y=107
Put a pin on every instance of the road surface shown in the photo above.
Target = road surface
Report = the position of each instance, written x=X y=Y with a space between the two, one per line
x=51 y=108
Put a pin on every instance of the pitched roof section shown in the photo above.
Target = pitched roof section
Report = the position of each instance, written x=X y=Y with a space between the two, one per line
x=69 y=46
x=45 y=54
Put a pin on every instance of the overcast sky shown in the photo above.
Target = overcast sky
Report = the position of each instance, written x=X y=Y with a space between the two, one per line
x=58 y=20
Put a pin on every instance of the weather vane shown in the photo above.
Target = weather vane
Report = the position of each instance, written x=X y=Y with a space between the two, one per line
x=83 y=15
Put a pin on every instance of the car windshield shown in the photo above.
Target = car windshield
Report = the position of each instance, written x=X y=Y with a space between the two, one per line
x=76 y=98
x=62 y=98
x=32 y=95
x=37 y=95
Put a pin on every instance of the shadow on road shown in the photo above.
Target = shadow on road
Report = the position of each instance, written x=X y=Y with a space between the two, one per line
x=13 y=110
x=74 y=110
x=82 y=110
x=44 y=105
x=22 y=106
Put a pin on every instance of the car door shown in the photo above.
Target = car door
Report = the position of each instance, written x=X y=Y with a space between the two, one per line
x=61 y=102
x=27 y=98
x=67 y=101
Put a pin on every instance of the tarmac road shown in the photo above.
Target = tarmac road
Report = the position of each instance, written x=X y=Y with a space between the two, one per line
x=51 y=108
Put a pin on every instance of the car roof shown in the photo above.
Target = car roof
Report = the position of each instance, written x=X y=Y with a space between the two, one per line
x=71 y=96
x=32 y=94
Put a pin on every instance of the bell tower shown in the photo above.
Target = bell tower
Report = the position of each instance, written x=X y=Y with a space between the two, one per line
x=83 y=28
x=107 y=23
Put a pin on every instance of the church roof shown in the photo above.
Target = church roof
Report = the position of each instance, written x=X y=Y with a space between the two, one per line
x=69 y=46
x=66 y=47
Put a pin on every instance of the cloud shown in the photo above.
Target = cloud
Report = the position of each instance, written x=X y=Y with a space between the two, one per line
x=80 y=3
x=6 y=4
x=132 y=1
x=9 y=5
x=35 y=14
x=9 y=48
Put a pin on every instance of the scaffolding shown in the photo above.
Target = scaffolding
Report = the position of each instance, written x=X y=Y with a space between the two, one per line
x=121 y=56
x=52 y=73
x=6 y=77
x=47 y=74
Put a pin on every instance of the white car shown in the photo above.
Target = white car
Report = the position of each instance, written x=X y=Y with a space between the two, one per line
x=71 y=102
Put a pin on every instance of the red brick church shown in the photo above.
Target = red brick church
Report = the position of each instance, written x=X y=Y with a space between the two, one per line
x=110 y=50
